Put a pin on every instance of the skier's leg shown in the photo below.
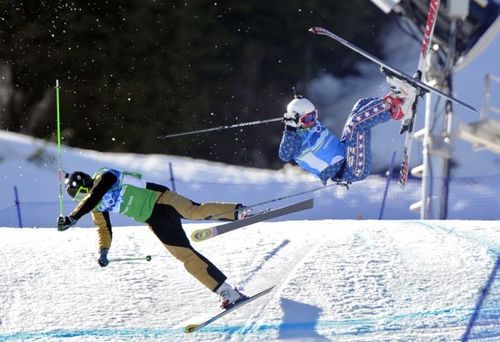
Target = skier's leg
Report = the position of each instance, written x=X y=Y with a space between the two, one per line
x=199 y=211
x=366 y=113
x=358 y=156
x=166 y=224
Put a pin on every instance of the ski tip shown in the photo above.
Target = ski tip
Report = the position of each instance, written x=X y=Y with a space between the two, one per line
x=202 y=234
x=191 y=328
x=315 y=29
x=269 y=289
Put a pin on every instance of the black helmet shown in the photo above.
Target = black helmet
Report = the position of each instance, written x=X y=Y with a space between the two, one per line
x=78 y=183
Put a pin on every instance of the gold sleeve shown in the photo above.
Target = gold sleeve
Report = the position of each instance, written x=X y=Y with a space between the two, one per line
x=104 y=232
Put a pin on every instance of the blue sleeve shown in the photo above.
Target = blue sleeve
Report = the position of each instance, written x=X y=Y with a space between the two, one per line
x=290 y=146
x=362 y=103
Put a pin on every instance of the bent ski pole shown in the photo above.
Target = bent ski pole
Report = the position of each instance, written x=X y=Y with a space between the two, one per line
x=220 y=128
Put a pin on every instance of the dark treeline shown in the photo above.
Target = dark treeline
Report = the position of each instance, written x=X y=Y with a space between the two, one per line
x=133 y=70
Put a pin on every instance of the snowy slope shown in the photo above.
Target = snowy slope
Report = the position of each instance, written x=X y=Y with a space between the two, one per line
x=30 y=165
x=337 y=281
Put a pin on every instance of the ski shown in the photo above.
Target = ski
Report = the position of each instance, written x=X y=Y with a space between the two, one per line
x=417 y=83
x=195 y=327
x=408 y=126
x=210 y=232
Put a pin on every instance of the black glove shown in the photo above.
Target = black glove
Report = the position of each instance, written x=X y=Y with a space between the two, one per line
x=103 y=258
x=64 y=222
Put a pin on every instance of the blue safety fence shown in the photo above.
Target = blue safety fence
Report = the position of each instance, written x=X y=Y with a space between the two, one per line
x=469 y=198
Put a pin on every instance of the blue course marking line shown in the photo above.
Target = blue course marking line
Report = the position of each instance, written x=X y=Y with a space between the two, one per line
x=493 y=249
x=357 y=326
x=112 y=332
x=494 y=314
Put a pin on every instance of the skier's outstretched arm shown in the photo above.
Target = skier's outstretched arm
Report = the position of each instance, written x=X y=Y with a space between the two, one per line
x=101 y=185
x=290 y=145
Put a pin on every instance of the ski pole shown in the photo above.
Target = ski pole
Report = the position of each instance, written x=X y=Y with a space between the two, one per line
x=220 y=128
x=147 y=258
x=292 y=195
x=59 y=172
x=285 y=197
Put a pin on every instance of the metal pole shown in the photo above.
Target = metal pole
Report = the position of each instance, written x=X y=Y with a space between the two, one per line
x=427 y=174
x=18 y=207
x=446 y=165
x=486 y=97
x=389 y=175
x=171 y=176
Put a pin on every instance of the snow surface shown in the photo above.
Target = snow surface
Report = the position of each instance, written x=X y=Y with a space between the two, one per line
x=337 y=280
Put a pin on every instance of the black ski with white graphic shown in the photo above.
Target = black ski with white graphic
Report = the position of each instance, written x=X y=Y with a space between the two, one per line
x=195 y=327
x=210 y=232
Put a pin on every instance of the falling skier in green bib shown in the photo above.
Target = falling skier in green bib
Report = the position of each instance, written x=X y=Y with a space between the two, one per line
x=127 y=193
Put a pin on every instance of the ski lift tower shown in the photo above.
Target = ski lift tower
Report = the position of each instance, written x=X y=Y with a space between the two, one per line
x=463 y=29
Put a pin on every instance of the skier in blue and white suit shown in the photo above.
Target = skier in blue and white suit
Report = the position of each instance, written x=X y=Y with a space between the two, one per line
x=348 y=159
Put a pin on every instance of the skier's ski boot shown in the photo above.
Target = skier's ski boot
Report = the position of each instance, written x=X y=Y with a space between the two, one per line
x=244 y=212
x=229 y=296
x=401 y=97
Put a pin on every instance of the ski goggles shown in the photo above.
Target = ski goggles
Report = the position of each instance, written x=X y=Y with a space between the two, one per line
x=308 y=120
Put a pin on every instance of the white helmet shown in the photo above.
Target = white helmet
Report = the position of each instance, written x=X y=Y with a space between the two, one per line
x=304 y=111
x=300 y=106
